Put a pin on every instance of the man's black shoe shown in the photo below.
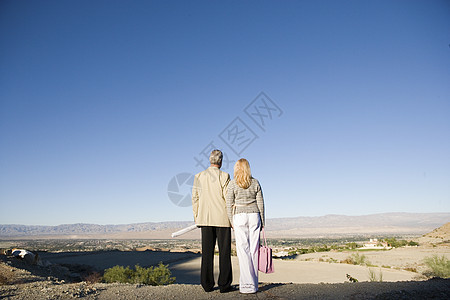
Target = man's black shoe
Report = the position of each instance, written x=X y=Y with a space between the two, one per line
x=229 y=289
x=208 y=290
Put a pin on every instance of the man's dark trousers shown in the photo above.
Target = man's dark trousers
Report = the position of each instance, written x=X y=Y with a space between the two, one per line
x=209 y=236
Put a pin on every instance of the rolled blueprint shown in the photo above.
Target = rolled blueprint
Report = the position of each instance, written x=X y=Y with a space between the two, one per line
x=184 y=230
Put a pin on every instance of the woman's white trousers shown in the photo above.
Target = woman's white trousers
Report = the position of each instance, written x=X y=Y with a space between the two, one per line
x=246 y=233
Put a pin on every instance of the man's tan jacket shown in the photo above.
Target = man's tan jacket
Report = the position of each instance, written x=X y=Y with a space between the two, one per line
x=208 y=198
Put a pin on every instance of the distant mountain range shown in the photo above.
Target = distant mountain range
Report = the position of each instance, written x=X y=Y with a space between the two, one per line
x=329 y=225
x=413 y=220
x=341 y=225
x=83 y=229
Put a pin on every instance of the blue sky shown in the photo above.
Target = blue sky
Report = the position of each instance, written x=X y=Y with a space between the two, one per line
x=102 y=103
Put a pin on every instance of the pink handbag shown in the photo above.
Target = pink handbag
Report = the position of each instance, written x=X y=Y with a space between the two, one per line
x=265 y=264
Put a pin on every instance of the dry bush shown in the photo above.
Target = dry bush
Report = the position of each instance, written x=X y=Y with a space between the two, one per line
x=93 y=277
x=348 y=260
x=410 y=269
x=373 y=276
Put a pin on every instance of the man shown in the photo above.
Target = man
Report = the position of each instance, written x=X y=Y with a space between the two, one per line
x=210 y=214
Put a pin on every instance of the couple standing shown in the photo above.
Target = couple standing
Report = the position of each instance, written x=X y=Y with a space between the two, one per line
x=219 y=205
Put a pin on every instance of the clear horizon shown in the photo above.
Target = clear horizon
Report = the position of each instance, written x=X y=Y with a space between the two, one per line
x=108 y=108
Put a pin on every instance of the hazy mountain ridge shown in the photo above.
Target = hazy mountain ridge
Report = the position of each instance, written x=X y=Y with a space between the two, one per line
x=15 y=230
x=421 y=222
x=412 y=220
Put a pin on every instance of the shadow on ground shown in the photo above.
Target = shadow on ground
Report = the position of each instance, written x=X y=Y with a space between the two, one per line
x=183 y=265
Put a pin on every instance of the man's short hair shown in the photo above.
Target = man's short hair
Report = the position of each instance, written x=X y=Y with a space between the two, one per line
x=216 y=157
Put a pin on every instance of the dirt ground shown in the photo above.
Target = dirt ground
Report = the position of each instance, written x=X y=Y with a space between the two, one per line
x=309 y=276
x=431 y=289
x=402 y=264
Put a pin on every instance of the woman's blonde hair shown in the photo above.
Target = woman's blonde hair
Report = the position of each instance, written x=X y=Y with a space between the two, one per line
x=242 y=173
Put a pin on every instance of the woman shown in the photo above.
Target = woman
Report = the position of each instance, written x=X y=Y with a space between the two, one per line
x=245 y=207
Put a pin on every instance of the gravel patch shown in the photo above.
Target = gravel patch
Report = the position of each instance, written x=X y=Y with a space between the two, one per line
x=431 y=289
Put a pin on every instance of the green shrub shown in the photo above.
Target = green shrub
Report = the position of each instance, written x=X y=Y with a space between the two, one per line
x=323 y=248
x=439 y=266
x=359 y=259
x=356 y=259
x=351 y=245
x=393 y=242
x=152 y=276
x=118 y=274
x=158 y=276
x=303 y=251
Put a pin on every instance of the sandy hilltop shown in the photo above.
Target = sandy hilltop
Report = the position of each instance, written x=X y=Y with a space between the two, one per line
x=397 y=273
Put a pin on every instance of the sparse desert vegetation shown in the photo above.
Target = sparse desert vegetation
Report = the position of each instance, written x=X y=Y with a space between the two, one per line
x=311 y=261
x=99 y=266
x=159 y=275
x=439 y=266
x=373 y=276
x=358 y=259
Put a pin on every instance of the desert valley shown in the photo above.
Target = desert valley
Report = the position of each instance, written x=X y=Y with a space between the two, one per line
x=337 y=256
